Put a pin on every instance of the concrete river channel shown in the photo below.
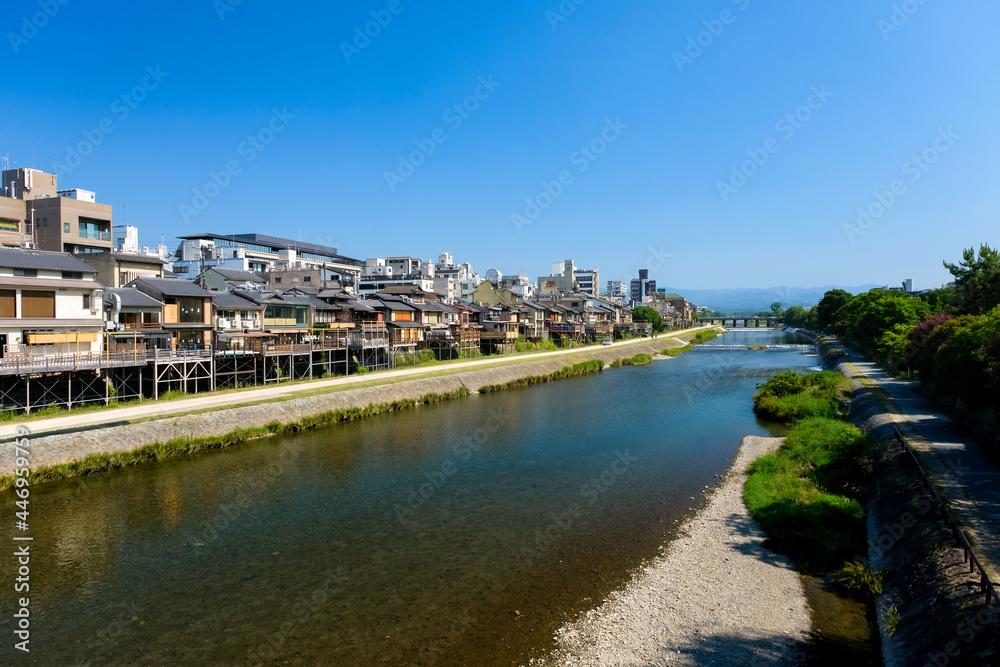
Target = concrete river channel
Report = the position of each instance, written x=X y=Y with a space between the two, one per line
x=460 y=533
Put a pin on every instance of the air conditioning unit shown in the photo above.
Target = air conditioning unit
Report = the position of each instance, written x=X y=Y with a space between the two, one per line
x=224 y=323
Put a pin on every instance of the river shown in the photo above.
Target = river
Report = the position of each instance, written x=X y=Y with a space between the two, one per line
x=459 y=533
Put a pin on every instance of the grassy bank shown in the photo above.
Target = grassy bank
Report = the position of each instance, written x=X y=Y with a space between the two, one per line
x=704 y=336
x=789 y=397
x=159 y=451
x=637 y=360
x=810 y=495
x=675 y=351
x=576 y=370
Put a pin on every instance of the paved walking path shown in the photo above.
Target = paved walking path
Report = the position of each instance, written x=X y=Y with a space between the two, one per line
x=180 y=407
x=960 y=466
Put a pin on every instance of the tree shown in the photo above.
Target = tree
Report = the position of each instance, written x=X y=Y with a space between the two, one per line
x=867 y=317
x=799 y=317
x=776 y=307
x=977 y=280
x=831 y=302
x=942 y=300
x=647 y=314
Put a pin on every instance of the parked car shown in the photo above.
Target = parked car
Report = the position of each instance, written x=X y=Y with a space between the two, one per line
x=607 y=341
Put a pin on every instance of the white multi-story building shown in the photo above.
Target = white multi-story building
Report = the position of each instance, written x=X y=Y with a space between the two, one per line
x=587 y=281
x=617 y=289
x=259 y=253
x=520 y=285
x=125 y=238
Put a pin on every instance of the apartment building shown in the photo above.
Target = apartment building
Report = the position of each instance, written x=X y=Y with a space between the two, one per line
x=260 y=253
x=51 y=219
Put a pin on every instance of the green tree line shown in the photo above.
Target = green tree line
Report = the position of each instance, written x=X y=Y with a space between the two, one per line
x=948 y=337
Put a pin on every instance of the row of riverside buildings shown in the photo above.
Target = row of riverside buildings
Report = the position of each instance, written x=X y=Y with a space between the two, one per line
x=88 y=315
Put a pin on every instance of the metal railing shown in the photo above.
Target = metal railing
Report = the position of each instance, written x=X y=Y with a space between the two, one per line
x=986 y=586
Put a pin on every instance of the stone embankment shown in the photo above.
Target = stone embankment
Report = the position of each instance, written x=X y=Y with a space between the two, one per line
x=50 y=450
x=715 y=596
x=931 y=611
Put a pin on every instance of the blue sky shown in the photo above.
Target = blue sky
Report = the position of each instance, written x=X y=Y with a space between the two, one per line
x=308 y=130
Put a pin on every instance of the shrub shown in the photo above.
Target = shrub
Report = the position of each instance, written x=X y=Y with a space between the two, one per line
x=860 y=580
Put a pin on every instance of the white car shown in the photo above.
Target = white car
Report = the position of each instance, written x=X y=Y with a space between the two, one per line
x=607 y=341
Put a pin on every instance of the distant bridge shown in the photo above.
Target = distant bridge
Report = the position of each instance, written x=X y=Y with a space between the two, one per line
x=768 y=321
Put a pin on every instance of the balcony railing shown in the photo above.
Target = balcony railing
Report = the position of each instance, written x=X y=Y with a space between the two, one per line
x=24 y=362
x=91 y=234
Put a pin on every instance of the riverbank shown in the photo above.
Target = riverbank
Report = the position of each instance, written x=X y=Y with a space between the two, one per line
x=716 y=595
x=84 y=452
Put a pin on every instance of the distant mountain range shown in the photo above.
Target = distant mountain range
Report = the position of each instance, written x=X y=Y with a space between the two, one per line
x=752 y=300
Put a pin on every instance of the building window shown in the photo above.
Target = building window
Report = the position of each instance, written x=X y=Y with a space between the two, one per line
x=72 y=275
x=277 y=281
x=86 y=301
x=27 y=273
x=307 y=279
x=8 y=303
x=181 y=269
x=191 y=311
x=65 y=228
x=38 y=304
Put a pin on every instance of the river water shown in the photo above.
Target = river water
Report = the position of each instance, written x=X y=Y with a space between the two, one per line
x=460 y=533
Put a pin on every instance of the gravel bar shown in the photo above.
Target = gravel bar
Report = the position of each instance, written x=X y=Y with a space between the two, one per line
x=715 y=596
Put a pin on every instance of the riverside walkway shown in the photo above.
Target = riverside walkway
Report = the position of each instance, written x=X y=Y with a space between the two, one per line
x=962 y=469
x=147 y=409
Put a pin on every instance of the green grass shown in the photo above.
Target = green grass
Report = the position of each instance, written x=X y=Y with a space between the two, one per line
x=704 y=336
x=576 y=370
x=675 y=351
x=756 y=347
x=159 y=451
x=860 y=580
x=892 y=619
x=789 y=397
x=637 y=360
x=810 y=495
x=540 y=346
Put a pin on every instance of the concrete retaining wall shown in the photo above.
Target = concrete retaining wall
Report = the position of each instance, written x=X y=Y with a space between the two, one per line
x=55 y=449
